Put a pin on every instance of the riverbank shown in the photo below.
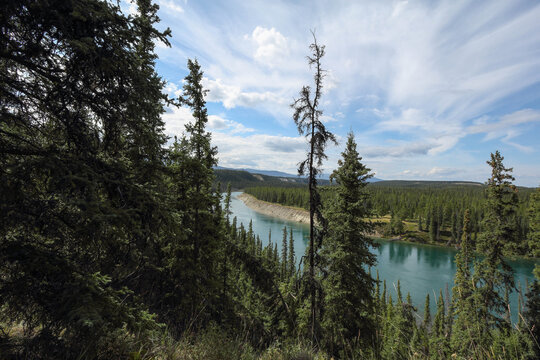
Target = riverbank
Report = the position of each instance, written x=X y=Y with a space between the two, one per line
x=288 y=213
x=279 y=211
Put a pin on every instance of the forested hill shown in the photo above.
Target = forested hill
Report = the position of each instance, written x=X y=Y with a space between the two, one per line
x=425 y=183
x=240 y=179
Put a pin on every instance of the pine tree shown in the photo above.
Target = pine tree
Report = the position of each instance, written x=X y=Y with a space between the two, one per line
x=433 y=225
x=227 y=202
x=291 y=259
x=202 y=217
x=533 y=237
x=284 y=255
x=307 y=117
x=426 y=323
x=532 y=315
x=493 y=274
x=81 y=161
x=439 y=346
x=464 y=333
x=348 y=287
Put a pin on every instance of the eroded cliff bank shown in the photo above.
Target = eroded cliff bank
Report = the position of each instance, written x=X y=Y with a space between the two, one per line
x=275 y=210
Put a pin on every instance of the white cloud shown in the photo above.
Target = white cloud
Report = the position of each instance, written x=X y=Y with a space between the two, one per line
x=440 y=171
x=218 y=123
x=171 y=5
x=271 y=46
x=506 y=123
x=176 y=119
x=261 y=151
x=233 y=96
x=398 y=151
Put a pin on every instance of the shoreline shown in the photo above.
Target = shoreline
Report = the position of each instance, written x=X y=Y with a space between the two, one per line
x=299 y=215
x=288 y=213
x=276 y=210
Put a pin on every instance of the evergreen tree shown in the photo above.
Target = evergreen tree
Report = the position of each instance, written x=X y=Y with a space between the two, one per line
x=227 y=202
x=464 y=333
x=201 y=218
x=307 y=117
x=533 y=237
x=284 y=255
x=438 y=341
x=433 y=225
x=348 y=286
x=81 y=162
x=493 y=274
x=532 y=315
x=291 y=258
x=426 y=323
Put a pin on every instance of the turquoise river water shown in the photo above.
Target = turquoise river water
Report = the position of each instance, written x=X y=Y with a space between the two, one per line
x=421 y=269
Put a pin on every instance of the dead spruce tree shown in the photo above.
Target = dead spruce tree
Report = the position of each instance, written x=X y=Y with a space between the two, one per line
x=307 y=115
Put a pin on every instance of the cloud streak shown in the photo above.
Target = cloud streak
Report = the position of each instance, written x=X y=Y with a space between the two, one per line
x=418 y=79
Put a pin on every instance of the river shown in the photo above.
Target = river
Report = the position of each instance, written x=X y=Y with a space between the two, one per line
x=421 y=269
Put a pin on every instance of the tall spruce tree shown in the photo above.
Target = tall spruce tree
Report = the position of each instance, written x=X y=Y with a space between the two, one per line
x=201 y=217
x=348 y=286
x=81 y=161
x=492 y=275
x=465 y=328
x=307 y=117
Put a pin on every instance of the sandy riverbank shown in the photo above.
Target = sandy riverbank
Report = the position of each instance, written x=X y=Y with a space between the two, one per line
x=284 y=212
x=275 y=210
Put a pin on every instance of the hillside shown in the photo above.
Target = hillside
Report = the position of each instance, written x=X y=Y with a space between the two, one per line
x=241 y=179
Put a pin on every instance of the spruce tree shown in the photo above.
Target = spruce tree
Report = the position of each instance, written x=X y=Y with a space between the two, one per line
x=533 y=237
x=284 y=255
x=348 y=286
x=465 y=328
x=493 y=274
x=532 y=314
x=291 y=258
x=202 y=215
x=307 y=117
x=81 y=162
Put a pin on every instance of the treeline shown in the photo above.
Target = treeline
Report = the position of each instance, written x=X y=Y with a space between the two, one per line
x=437 y=211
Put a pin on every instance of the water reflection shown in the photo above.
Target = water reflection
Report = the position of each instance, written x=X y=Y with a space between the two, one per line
x=420 y=268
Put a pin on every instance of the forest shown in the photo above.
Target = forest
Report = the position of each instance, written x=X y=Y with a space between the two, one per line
x=114 y=243
x=427 y=212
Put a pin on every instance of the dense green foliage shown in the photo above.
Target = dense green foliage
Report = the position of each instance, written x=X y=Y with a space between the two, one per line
x=348 y=286
x=115 y=245
x=437 y=211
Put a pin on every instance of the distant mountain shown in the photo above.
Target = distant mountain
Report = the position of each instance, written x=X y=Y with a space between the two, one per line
x=282 y=174
x=242 y=178
x=262 y=172
x=426 y=183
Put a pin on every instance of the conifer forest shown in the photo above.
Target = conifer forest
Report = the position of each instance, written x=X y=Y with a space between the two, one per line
x=117 y=242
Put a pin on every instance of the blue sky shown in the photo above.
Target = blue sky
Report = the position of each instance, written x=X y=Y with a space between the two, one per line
x=430 y=88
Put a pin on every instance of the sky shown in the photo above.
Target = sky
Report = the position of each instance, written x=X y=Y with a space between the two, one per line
x=429 y=88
